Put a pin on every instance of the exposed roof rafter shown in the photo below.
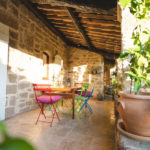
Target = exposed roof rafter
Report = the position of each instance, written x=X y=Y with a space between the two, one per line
x=79 y=27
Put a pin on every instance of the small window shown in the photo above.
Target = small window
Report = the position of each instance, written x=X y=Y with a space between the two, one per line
x=45 y=66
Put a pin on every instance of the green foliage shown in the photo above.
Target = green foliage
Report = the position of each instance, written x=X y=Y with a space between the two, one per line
x=10 y=143
x=140 y=54
x=123 y=55
x=124 y=3
x=115 y=82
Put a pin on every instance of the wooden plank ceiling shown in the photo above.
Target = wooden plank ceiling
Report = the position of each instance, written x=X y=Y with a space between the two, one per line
x=94 y=29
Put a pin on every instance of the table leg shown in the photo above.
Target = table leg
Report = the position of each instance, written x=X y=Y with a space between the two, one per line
x=73 y=115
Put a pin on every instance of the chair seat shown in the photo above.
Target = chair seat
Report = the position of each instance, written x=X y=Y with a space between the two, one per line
x=48 y=99
x=84 y=93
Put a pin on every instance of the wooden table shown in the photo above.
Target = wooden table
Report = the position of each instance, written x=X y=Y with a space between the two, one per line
x=68 y=92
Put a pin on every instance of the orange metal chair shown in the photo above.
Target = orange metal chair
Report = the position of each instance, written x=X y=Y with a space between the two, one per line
x=45 y=99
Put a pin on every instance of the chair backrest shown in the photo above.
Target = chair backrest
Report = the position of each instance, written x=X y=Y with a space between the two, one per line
x=84 y=89
x=78 y=84
x=91 y=94
x=85 y=86
x=42 y=88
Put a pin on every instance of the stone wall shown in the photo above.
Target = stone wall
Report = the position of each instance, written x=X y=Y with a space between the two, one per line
x=88 y=67
x=28 y=38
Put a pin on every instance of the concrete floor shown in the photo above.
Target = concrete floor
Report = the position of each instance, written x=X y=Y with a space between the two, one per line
x=90 y=132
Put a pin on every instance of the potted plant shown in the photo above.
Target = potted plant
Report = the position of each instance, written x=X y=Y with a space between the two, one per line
x=134 y=107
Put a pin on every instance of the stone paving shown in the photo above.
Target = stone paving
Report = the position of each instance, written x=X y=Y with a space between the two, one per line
x=90 y=132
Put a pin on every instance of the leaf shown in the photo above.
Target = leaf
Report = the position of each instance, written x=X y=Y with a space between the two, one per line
x=145 y=32
x=3 y=128
x=136 y=41
x=137 y=86
x=124 y=3
x=15 y=144
x=147 y=3
x=148 y=82
x=130 y=73
x=123 y=55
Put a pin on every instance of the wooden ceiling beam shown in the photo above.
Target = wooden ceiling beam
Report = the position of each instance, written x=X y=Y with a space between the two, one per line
x=70 y=31
x=90 y=28
x=57 y=16
x=104 y=33
x=105 y=39
x=90 y=25
x=95 y=26
x=73 y=35
x=105 y=43
x=55 y=19
x=55 y=13
x=61 y=22
x=84 y=6
x=48 y=8
x=76 y=39
x=99 y=22
x=39 y=15
x=103 y=36
x=114 y=34
x=110 y=12
x=110 y=22
x=79 y=27
x=97 y=16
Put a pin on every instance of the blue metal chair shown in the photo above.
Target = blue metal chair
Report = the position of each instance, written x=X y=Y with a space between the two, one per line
x=85 y=104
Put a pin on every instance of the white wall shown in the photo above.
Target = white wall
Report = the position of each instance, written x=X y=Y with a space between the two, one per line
x=4 y=38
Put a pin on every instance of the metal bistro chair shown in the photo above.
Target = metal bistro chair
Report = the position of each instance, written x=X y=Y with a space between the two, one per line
x=46 y=99
x=82 y=93
x=85 y=102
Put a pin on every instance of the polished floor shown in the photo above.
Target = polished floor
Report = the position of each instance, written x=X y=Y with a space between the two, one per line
x=90 y=132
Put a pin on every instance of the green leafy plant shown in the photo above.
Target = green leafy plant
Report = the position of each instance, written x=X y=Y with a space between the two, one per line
x=12 y=143
x=139 y=55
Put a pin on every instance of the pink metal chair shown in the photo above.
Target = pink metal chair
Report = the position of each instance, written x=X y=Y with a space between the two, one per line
x=45 y=99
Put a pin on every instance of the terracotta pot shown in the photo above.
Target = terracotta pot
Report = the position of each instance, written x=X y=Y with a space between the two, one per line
x=121 y=129
x=135 y=112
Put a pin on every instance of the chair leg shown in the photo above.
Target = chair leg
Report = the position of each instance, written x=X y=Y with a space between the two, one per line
x=38 y=118
x=52 y=116
x=82 y=107
x=42 y=109
x=62 y=102
x=89 y=108
x=49 y=108
x=57 y=107
x=56 y=112
x=41 y=112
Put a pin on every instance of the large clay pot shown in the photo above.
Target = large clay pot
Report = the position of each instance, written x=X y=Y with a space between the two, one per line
x=135 y=112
